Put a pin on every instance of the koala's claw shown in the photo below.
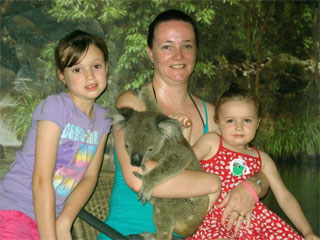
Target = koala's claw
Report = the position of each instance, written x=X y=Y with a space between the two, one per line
x=147 y=236
x=144 y=195
x=138 y=175
x=144 y=169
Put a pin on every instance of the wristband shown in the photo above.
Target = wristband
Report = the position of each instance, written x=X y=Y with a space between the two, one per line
x=251 y=190
x=258 y=181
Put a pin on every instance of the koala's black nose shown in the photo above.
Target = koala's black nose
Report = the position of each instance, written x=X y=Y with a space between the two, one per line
x=136 y=159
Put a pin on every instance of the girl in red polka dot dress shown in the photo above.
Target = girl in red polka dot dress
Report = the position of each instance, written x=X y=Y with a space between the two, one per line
x=230 y=157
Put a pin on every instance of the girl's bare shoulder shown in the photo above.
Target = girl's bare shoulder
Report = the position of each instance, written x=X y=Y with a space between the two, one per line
x=264 y=155
x=210 y=138
x=267 y=161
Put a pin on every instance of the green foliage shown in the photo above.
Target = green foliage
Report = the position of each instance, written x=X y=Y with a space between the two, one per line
x=73 y=10
x=113 y=10
x=203 y=69
x=47 y=55
x=21 y=115
x=205 y=16
x=291 y=137
x=231 y=1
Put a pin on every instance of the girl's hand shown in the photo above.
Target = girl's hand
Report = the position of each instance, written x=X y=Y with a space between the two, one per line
x=186 y=124
x=184 y=119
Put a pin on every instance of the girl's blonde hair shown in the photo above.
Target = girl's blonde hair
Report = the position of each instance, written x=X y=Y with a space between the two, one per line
x=235 y=93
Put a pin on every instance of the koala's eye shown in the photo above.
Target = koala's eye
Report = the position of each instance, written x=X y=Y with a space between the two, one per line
x=127 y=146
x=150 y=149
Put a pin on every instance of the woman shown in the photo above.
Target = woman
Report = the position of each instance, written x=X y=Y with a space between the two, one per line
x=172 y=47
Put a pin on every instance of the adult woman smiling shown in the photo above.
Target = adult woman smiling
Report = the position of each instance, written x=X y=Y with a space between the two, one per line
x=172 y=47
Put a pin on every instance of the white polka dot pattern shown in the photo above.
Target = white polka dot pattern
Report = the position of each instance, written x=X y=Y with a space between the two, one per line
x=265 y=224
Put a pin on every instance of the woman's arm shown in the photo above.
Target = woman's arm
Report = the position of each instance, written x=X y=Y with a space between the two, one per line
x=285 y=199
x=80 y=194
x=242 y=200
x=42 y=188
x=187 y=184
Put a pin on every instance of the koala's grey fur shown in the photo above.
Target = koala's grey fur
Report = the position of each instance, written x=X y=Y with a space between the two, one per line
x=152 y=135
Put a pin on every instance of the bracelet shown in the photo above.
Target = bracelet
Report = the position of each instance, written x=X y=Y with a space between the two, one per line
x=251 y=190
x=258 y=181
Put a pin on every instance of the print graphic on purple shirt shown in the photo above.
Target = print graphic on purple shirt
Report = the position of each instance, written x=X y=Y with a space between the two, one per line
x=80 y=137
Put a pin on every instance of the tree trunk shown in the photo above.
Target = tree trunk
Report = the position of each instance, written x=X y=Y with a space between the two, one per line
x=315 y=46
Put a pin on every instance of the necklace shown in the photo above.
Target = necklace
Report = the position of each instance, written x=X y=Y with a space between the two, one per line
x=194 y=103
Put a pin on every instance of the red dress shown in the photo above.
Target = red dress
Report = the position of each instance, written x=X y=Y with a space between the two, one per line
x=233 y=168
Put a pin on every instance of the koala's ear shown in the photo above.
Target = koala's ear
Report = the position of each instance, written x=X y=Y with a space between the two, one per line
x=151 y=104
x=171 y=128
x=126 y=112
x=119 y=115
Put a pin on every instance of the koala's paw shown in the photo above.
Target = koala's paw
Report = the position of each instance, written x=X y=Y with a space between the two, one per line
x=147 y=236
x=138 y=175
x=144 y=194
x=144 y=169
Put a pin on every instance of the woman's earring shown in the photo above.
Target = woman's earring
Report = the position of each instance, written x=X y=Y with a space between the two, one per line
x=152 y=67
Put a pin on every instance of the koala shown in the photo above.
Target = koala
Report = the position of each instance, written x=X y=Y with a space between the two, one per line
x=152 y=135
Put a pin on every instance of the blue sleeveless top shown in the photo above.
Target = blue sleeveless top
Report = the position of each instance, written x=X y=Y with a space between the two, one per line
x=126 y=214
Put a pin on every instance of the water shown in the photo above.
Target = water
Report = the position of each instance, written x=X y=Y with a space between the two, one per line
x=303 y=181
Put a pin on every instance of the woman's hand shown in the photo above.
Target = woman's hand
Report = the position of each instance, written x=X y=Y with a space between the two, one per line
x=238 y=204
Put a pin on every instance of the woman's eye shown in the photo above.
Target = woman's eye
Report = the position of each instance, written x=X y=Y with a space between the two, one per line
x=76 y=70
x=248 y=120
x=166 y=47
x=188 y=46
x=229 y=121
x=97 y=66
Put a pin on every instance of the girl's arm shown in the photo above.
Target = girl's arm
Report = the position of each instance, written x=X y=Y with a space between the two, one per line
x=206 y=146
x=187 y=184
x=47 y=140
x=185 y=123
x=285 y=199
x=80 y=194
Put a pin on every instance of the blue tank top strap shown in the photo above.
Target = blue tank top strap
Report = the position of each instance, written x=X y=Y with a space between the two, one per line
x=206 y=126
